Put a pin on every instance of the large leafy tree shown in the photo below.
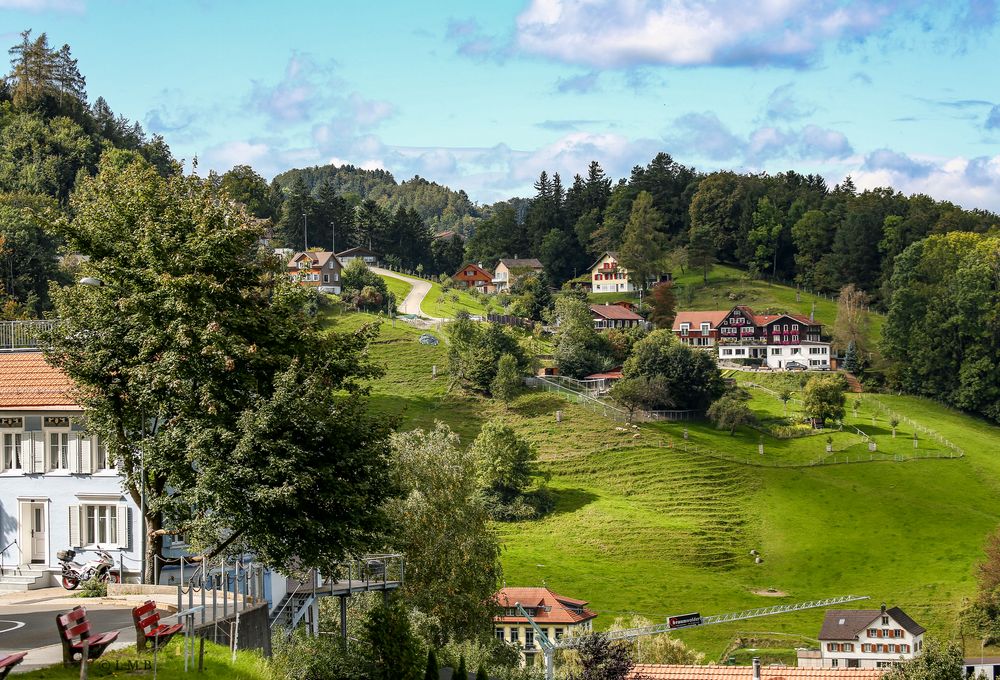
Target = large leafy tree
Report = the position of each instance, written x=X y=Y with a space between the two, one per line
x=823 y=398
x=690 y=377
x=220 y=399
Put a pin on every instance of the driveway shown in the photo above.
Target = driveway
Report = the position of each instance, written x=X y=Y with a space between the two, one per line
x=410 y=304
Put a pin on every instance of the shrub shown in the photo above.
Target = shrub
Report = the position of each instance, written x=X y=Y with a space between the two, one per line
x=93 y=587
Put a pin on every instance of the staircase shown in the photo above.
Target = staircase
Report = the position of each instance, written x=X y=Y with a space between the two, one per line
x=853 y=384
x=23 y=578
x=290 y=609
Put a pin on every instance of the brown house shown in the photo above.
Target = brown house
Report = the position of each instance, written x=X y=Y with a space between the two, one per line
x=316 y=269
x=474 y=276
x=614 y=316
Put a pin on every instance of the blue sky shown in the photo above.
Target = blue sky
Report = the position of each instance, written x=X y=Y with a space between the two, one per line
x=482 y=96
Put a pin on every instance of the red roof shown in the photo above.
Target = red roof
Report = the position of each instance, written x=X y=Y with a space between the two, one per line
x=615 y=312
x=28 y=381
x=551 y=608
x=764 y=319
x=608 y=375
x=672 y=672
x=479 y=274
x=714 y=318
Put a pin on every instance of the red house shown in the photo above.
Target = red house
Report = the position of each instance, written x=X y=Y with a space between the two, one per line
x=474 y=276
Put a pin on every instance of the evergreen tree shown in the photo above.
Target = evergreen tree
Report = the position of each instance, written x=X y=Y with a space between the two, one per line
x=701 y=250
x=293 y=228
x=481 y=674
x=432 y=672
x=507 y=382
x=642 y=248
x=460 y=672
x=394 y=652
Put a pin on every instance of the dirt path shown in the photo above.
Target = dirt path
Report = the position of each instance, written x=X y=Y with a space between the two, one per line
x=411 y=303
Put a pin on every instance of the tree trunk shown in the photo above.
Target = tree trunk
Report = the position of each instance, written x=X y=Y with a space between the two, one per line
x=154 y=546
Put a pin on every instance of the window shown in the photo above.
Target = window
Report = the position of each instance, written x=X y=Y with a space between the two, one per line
x=499 y=633
x=899 y=632
x=776 y=351
x=101 y=458
x=59 y=450
x=529 y=638
x=833 y=663
x=847 y=647
x=513 y=634
x=12 y=451
x=704 y=329
x=101 y=524
x=326 y=278
x=795 y=327
x=871 y=632
x=830 y=647
x=559 y=633
x=885 y=620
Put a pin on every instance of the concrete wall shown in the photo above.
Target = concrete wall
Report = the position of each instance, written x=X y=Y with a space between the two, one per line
x=254 y=630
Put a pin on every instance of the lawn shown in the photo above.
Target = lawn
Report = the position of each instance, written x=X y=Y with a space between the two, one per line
x=397 y=287
x=443 y=304
x=218 y=665
x=657 y=530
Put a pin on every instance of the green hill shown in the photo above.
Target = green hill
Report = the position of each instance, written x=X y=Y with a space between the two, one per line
x=644 y=526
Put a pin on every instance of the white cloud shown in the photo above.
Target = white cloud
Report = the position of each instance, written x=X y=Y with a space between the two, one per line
x=619 y=33
x=969 y=182
x=72 y=6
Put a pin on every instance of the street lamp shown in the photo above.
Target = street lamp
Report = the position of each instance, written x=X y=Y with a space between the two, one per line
x=305 y=232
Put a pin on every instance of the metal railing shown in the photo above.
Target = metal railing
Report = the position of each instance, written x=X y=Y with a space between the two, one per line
x=3 y=552
x=18 y=336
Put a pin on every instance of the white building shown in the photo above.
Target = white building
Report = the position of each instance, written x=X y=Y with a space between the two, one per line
x=982 y=666
x=607 y=276
x=865 y=638
x=509 y=270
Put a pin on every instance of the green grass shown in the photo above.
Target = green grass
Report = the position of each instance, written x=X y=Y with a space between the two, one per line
x=397 y=287
x=643 y=528
x=218 y=665
x=444 y=304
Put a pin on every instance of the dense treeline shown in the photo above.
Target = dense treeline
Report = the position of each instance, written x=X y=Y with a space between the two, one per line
x=49 y=137
x=786 y=226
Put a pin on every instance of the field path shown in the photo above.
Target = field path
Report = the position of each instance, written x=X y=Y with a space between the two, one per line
x=410 y=304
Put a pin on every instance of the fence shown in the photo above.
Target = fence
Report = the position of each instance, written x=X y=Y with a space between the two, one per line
x=917 y=427
x=220 y=586
x=21 y=335
x=508 y=320
x=581 y=391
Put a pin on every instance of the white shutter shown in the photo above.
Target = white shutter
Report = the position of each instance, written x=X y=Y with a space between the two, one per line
x=28 y=452
x=73 y=452
x=123 y=525
x=38 y=448
x=86 y=455
x=74 y=526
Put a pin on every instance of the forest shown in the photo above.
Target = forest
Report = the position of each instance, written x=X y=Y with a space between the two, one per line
x=665 y=216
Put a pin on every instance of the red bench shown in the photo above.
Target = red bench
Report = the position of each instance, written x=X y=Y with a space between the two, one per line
x=74 y=631
x=149 y=629
x=9 y=661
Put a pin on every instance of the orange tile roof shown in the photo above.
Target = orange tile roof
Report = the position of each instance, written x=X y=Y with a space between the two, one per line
x=615 y=312
x=28 y=381
x=553 y=608
x=664 y=672
x=714 y=318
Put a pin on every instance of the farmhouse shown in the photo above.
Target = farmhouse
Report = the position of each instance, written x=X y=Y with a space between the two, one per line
x=316 y=269
x=475 y=277
x=359 y=253
x=614 y=316
x=59 y=487
x=865 y=638
x=607 y=276
x=740 y=334
x=555 y=614
x=508 y=271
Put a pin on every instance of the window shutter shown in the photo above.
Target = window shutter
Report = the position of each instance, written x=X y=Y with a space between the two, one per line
x=74 y=526
x=38 y=448
x=86 y=455
x=123 y=525
x=73 y=452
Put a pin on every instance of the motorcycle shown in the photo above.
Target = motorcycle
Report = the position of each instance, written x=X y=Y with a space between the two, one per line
x=73 y=573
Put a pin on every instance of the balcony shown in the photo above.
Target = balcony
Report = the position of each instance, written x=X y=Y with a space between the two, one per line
x=20 y=336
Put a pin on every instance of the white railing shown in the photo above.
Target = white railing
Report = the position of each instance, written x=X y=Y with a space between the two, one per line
x=17 y=336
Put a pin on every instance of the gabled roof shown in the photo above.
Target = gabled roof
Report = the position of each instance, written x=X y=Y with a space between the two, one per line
x=28 y=381
x=552 y=608
x=607 y=253
x=447 y=234
x=615 y=312
x=764 y=319
x=672 y=672
x=460 y=274
x=522 y=263
x=847 y=624
x=319 y=258
x=713 y=317
x=358 y=251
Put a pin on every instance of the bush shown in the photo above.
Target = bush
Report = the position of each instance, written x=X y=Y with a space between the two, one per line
x=691 y=377
x=93 y=587
x=309 y=658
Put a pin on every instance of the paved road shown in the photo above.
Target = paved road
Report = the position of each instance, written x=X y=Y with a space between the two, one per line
x=411 y=304
x=39 y=627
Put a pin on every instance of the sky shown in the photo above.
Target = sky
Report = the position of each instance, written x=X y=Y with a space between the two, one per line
x=484 y=96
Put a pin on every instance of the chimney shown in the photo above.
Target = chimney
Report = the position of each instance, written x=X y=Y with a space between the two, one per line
x=756 y=668
x=883 y=607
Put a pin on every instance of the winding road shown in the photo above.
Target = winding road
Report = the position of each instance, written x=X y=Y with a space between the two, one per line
x=411 y=303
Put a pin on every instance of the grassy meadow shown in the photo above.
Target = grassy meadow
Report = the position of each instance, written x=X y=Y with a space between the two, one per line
x=643 y=525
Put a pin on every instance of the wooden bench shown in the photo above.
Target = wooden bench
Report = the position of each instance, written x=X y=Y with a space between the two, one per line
x=74 y=631
x=8 y=662
x=149 y=629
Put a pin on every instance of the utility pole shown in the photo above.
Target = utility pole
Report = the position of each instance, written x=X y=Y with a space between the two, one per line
x=333 y=236
x=305 y=232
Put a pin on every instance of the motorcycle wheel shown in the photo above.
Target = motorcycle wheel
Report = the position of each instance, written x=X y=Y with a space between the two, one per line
x=114 y=577
x=70 y=583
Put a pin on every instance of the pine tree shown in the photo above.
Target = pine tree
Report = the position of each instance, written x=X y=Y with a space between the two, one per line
x=851 y=363
x=432 y=672
x=642 y=247
x=701 y=250
x=481 y=674
x=460 y=672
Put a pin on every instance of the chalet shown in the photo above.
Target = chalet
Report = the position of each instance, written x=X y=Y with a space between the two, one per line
x=316 y=269
x=607 y=276
x=509 y=270
x=773 y=340
x=865 y=638
x=475 y=277
x=59 y=488
x=756 y=671
x=614 y=316
x=555 y=614
x=359 y=253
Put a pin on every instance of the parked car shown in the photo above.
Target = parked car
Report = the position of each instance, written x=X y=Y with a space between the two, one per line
x=795 y=366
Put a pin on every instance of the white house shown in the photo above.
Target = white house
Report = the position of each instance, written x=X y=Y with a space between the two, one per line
x=982 y=666
x=557 y=615
x=58 y=487
x=359 y=253
x=607 y=276
x=509 y=270
x=865 y=638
